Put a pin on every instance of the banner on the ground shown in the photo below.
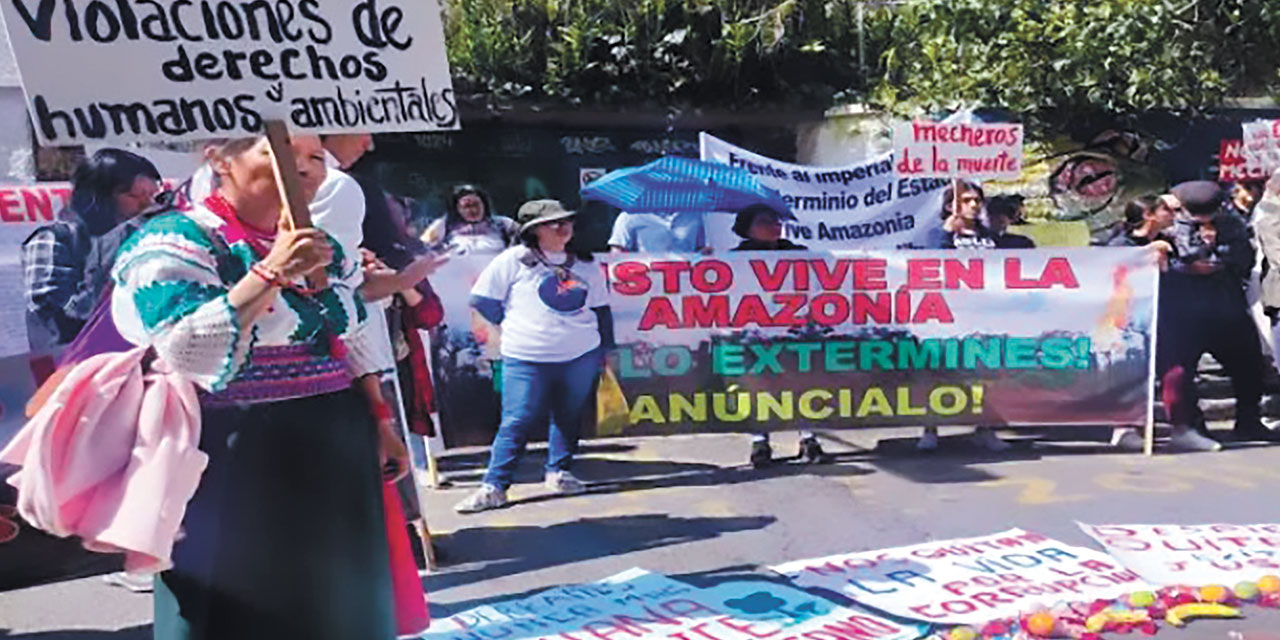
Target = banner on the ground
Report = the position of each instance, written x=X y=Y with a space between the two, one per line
x=971 y=150
x=174 y=70
x=646 y=606
x=1195 y=555
x=968 y=581
x=860 y=206
x=783 y=340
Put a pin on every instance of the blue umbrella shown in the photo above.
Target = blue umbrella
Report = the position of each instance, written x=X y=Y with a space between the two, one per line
x=675 y=185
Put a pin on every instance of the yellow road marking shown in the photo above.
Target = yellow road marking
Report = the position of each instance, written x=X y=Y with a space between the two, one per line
x=1035 y=490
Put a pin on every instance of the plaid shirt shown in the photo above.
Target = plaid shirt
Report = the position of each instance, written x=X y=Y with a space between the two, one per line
x=65 y=271
x=53 y=261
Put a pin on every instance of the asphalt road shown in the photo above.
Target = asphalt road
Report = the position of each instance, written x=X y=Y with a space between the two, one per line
x=689 y=507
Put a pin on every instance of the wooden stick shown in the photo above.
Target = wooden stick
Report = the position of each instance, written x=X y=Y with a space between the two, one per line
x=297 y=210
x=296 y=207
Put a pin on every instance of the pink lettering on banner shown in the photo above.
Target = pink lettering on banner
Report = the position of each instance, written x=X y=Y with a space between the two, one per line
x=958 y=150
x=33 y=203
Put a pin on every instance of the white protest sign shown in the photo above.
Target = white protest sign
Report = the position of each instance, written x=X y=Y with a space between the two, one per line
x=861 y=206
x=143 y=70
x=1193 y=555
x=1261 y=146
x=957 y=150
x=968 y=581
x=649 y=606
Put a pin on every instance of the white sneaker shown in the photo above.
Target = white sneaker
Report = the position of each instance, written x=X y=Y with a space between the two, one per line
x=928 y=440
x=1191 y=440
x=564 y=483
x=485 y=498
x=1127 y=439
x=987 y=439
x=136 y=583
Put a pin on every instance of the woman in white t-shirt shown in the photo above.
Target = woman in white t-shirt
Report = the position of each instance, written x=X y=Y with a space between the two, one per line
x=553 y=309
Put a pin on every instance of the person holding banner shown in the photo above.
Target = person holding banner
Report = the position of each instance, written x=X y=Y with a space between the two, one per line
x=760 y=228
x=962 y=205
x=285 y=536
x=551 y=303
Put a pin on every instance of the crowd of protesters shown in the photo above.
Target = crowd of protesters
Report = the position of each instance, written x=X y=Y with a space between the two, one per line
x=287 y=328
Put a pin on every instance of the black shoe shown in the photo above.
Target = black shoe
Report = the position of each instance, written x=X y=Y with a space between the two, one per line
x=811 y=452
x=1254 y=431
x=761 y=454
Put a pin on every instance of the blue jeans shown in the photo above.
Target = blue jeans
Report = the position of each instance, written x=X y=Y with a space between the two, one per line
x=532 y=392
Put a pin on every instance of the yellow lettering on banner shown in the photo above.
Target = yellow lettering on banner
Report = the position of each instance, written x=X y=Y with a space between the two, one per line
x=1035 y=491
x=874 y=401
x=646 y=409
x=741 y=408
x=904 y=403
x=781 y=406
x=807 y=409
x=846 y=403
x=948 y=401
x=681 y=407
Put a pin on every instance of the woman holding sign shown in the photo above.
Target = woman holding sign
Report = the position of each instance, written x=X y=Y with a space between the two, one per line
x=284 y=537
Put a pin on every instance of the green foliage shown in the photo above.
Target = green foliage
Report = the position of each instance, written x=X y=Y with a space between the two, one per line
x=661 y=52
x=1057 y=61
x=1050 y=61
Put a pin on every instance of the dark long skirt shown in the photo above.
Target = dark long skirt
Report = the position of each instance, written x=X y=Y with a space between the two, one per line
x=284 y=538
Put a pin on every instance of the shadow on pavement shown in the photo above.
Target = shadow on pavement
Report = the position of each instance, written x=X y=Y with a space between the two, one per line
x=485 y=553
x=133 y=633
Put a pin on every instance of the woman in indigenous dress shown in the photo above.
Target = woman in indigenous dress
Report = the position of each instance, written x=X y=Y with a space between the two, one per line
x=285 y=536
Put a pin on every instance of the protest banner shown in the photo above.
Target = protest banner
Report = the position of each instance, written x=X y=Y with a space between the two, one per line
x=861 y=206
x=1192 y=555
x=180 y=69
x=968 y=581
x=1261 y=146
x=957 y=150
x=760 y=341
x=465 y=361
x=642 y=605
x=1232 y=166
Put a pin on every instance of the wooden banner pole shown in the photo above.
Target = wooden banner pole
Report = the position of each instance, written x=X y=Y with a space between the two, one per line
x=296 y=209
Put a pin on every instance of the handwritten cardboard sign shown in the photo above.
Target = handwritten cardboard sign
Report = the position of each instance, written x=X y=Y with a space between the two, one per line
x=191 y=69
x=638 y=605
x=957 y=150
x=968 y=581
x=1193 y=555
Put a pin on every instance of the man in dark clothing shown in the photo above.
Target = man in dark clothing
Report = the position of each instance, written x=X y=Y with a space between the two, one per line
x=1003 y=211
x=1207 y=311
